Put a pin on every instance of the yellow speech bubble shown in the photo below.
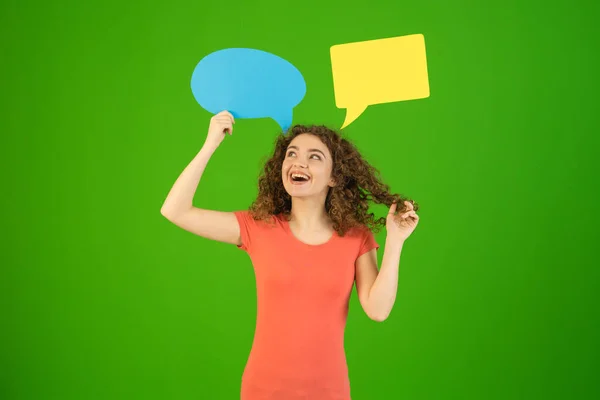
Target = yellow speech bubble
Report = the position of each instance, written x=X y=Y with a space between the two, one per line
x=378 y=71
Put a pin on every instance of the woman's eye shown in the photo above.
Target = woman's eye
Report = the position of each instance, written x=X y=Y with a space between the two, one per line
x=314 y=155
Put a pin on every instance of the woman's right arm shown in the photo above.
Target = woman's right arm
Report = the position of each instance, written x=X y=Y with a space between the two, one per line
x=178 y=208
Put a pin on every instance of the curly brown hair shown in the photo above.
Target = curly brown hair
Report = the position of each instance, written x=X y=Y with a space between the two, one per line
x=347 y=203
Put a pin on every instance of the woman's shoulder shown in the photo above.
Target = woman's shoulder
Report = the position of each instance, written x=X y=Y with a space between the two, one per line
x=358 y=231
x=257 y=219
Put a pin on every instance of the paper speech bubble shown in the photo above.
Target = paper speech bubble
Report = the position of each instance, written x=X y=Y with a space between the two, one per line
x=378 y=71
x=248 y=83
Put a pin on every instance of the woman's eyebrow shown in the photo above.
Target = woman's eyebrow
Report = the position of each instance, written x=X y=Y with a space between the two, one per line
x=295 y=147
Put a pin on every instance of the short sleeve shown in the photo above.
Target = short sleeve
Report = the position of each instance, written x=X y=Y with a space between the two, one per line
x=247 y=224
x=368 y=242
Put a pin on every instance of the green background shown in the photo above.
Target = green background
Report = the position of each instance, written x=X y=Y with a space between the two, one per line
x=103 y=298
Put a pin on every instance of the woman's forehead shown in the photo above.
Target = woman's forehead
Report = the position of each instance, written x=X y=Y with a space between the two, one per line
x=305 y=141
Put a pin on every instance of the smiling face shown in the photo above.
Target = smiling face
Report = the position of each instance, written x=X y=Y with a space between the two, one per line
x=307 y=166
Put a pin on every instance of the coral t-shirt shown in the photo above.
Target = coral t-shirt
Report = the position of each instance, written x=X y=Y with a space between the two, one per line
x=303 y=293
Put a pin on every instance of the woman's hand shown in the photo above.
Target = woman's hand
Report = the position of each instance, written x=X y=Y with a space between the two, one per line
x=220 y=124
x=400 y=226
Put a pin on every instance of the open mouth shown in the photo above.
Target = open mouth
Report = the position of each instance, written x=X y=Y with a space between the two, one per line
x=299 y=179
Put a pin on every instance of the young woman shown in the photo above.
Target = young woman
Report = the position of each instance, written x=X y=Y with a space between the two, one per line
x=309 y=236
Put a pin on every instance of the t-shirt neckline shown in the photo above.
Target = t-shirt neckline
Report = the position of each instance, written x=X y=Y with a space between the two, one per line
x=288 y=230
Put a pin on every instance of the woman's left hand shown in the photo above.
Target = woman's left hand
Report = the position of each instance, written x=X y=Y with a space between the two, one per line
x=400 y=226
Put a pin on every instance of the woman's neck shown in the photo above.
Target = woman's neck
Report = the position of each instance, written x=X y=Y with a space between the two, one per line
x=309 y=214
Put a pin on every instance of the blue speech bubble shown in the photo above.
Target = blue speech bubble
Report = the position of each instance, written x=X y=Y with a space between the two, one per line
x=248 y=83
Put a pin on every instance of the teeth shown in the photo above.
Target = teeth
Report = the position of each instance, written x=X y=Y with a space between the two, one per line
x=300 y=175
